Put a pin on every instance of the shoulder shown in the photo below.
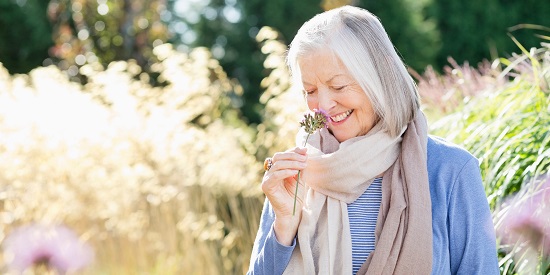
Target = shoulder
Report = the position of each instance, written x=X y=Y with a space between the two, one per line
x=447 y=157
x=450 y=167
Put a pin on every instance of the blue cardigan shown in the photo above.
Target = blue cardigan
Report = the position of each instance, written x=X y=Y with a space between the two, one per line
x=463 y=232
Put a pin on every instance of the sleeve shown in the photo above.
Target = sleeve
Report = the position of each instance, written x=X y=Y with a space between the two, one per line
x=268 y=255
x=472 y=241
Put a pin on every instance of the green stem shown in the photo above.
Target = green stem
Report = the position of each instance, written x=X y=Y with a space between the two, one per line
x=298 y=181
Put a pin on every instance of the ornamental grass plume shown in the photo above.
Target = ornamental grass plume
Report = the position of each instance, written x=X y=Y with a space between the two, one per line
x=311 y=123
x=45 y=248
x=523 y=227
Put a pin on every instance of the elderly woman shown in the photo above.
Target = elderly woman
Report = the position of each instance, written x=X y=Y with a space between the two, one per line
x=377 y=194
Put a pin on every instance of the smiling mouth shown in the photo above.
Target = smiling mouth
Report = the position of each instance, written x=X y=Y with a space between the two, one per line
x=341 y=116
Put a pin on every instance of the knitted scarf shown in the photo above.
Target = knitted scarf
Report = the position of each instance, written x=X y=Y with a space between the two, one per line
x=337 y=174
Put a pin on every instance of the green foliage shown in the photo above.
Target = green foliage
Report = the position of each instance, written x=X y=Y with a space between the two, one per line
x=507 y=129
x=415 y=37
x=474 y=30
x=25 y=34
x=87 y=31
x=446 y=93
x=241 y=56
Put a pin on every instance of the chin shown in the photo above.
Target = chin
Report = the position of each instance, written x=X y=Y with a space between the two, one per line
x=341 y=138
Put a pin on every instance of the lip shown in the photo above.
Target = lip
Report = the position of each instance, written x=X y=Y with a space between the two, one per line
x=341 y=121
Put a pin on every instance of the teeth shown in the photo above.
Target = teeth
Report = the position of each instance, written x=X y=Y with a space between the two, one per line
x=342 y=116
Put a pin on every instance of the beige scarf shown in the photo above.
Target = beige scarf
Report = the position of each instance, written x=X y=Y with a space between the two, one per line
x=337 y=174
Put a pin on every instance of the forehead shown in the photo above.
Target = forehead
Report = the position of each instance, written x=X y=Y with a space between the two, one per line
x=321 y=65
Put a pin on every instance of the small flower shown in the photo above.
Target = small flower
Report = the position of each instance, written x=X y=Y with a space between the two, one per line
x=524 y=224
x=55 y=247
x=311 y=123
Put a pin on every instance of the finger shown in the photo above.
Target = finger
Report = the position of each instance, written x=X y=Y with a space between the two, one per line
x=288 y=164
x=276 y=178
x=280 y=175
x=300 y=150
x=296 y=154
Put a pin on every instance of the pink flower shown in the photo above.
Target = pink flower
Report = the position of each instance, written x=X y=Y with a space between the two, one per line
x=525 y=221
x=57 y=247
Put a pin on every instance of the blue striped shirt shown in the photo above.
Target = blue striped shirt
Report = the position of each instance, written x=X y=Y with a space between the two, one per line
x=363 y=214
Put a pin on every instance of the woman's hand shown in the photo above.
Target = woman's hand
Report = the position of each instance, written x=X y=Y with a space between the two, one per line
x=279 y=185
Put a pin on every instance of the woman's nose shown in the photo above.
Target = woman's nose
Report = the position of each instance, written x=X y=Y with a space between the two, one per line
x=326 y=101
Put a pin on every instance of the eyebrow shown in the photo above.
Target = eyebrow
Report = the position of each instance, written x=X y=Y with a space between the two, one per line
x=329 y=81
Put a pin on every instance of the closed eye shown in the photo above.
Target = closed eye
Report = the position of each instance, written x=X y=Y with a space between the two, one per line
x=309 y=92
x=339 y=88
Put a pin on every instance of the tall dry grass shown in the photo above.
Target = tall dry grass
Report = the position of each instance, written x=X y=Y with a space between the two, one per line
x=157 y=180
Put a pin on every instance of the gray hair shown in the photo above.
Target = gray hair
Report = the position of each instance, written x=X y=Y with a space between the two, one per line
x=359 y=40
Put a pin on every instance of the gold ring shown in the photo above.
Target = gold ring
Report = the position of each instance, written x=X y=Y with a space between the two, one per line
x=268 y=162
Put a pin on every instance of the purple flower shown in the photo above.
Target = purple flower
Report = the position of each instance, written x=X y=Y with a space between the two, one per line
x=56 y=247
x=525 y=222
x=323 y=116
x=313 y=122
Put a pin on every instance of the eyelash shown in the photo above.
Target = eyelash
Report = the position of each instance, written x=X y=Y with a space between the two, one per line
x=309 y=92
x=339 y=88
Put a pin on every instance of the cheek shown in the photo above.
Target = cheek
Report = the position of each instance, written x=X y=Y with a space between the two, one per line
x=312 y=103
x=368 y=118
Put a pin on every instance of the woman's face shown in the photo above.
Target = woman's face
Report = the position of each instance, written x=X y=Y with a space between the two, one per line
x=330 y=87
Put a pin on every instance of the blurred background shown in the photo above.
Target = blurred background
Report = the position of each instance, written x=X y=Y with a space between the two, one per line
x=143 y=125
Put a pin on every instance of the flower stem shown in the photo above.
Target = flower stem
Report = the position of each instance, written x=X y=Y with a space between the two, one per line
x=298 y=181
